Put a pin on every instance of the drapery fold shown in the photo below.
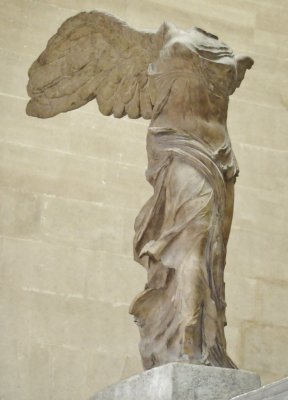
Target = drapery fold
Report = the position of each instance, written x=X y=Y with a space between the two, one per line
x=179 y=240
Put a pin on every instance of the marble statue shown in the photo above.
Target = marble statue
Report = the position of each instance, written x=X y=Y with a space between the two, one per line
x=181 y=80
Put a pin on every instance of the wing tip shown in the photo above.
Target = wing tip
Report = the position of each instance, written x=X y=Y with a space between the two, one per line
x=33 y=109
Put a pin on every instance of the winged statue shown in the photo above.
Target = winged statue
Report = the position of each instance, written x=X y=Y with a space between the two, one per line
x=181 y=80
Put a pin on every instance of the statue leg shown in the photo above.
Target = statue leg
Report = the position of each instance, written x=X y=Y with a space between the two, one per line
x=228 y=211
x=193 y=288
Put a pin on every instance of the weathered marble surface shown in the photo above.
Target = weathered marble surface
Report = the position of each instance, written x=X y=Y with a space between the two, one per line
x=178 y=381
x=275 y=391
x=182 y=81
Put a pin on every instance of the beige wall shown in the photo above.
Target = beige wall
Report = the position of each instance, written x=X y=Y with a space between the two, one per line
x=71 y=187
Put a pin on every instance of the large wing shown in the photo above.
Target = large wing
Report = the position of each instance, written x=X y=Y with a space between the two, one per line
x=94 y=55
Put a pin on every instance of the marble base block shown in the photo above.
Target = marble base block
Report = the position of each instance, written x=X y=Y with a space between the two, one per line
x=177 y=381
x=275 y=391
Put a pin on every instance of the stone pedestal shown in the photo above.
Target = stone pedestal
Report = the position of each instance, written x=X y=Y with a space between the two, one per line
x=274 y=391
x=177 y=381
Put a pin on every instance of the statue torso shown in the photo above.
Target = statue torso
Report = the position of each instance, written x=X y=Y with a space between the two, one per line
x=192 y=99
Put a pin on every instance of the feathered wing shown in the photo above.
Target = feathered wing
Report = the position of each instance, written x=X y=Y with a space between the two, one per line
x=95 y=55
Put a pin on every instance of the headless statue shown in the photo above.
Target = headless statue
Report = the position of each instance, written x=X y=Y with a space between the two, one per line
x=181 y=81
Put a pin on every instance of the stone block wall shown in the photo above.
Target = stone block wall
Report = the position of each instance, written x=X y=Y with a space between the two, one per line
x=71 y=186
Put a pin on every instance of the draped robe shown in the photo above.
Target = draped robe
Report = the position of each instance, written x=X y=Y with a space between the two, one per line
x=182 y=231
x=179 y=240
